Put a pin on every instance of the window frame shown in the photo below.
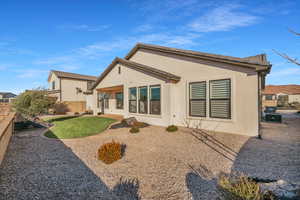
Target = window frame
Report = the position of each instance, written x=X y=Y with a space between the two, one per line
x=53 y=85
x=136 y=99
x=149 y=99
x=119 y=108
x=190 y=99
x=139 y=101
x=269 y=95
x=106 y=101
x=230 y=97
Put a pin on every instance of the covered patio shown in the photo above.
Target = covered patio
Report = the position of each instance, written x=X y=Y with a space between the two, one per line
x=111 y=100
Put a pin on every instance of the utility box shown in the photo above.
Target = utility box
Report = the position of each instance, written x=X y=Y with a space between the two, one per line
x=273 y=118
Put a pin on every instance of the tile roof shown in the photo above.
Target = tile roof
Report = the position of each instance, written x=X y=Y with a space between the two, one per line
x=285 y=89
x=258 y=62
x=163 y=75
x=61 y=74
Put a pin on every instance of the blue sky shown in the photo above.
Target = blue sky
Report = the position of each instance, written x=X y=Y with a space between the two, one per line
x=84 y=36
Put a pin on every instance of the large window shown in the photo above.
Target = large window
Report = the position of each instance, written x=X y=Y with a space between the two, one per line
x=53 y=85
x=198 y=99
x=155 y=100
x=220 y=98
x=132 y=100
x=119 y=100
x=143 y=100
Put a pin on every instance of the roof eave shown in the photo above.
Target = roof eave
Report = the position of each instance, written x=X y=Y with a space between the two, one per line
x=255 y=66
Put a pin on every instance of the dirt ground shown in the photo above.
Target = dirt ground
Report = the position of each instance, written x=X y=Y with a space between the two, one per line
x=156 y=165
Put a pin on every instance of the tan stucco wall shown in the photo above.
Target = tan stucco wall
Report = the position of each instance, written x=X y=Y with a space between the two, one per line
x=244 y=100
x=57 y=82
x=52 y=78
x=69 y=92
x=131 y=78
x=294 y=98
x=6 y=130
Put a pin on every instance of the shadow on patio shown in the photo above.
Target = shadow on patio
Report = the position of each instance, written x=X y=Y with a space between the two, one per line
x=39 y=168
x=274 y=158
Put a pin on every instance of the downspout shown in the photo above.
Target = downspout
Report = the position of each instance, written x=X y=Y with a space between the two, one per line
x=60 y=88
x=259 y=87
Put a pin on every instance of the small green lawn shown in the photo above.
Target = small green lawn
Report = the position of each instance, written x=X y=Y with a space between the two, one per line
x=75 y=127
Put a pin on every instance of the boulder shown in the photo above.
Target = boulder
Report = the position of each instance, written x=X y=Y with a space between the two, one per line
x=130 y=121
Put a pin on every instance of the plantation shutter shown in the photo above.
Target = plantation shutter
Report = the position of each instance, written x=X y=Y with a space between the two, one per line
x=198 y=99
x=220 y=98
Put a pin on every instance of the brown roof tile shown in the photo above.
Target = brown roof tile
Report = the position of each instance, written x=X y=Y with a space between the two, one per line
x=258 y=62
x=61 y=74
x=285 y=89
x=138 y=67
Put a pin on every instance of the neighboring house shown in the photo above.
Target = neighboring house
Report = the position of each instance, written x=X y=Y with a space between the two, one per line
x=280 y=95
x=164 y=86
x=6 y=97
x=70 y=89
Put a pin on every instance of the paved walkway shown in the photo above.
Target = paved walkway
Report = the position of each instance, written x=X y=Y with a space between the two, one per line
x=156 y=164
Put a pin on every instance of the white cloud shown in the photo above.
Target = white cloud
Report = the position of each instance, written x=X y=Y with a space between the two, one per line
x=31 y=73
x=223 y=18
x=54 y=60
x=84 y=27
x=144 y=28
x=295 y=71
x=100 y=48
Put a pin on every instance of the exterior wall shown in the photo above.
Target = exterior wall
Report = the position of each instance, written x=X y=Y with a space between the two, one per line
x=57 y=86
x=69 y=92
x=271 y=103
x=294 y=98
x=131 y=78
x=6 y=130
x=244 y=97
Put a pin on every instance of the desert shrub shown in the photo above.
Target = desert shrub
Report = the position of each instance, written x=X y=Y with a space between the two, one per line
x=110 y=152
x=172 y=128
x=32 y=103
x=241 y=188
x=134 y=129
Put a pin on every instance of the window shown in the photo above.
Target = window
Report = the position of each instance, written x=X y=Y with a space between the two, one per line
x=99 y=100
x=119 y=100
x=269 y=97
x=106 y=101
x=143 y=100
x=53 y=85
x=132 y=100
x=198 y=99
x=155 y=100
x=90 y=84
x=119 y=70
x=220 y=98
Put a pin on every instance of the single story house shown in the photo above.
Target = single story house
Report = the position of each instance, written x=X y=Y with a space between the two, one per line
x=280 y=95
x=165 y=86
x=7 y=97
x=69 y=89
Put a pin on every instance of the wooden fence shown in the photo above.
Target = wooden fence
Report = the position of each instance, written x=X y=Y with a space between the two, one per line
x=6 y=131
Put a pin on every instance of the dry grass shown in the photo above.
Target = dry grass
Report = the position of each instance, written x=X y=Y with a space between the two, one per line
x=110 y=152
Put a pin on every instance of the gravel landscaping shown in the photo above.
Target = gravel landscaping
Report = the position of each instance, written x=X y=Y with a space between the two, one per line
x=157 y=164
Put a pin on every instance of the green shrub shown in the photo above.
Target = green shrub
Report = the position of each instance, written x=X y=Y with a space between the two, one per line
x=241 y=188
x=110 y=152
x=172 y=128
x=134 y=129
